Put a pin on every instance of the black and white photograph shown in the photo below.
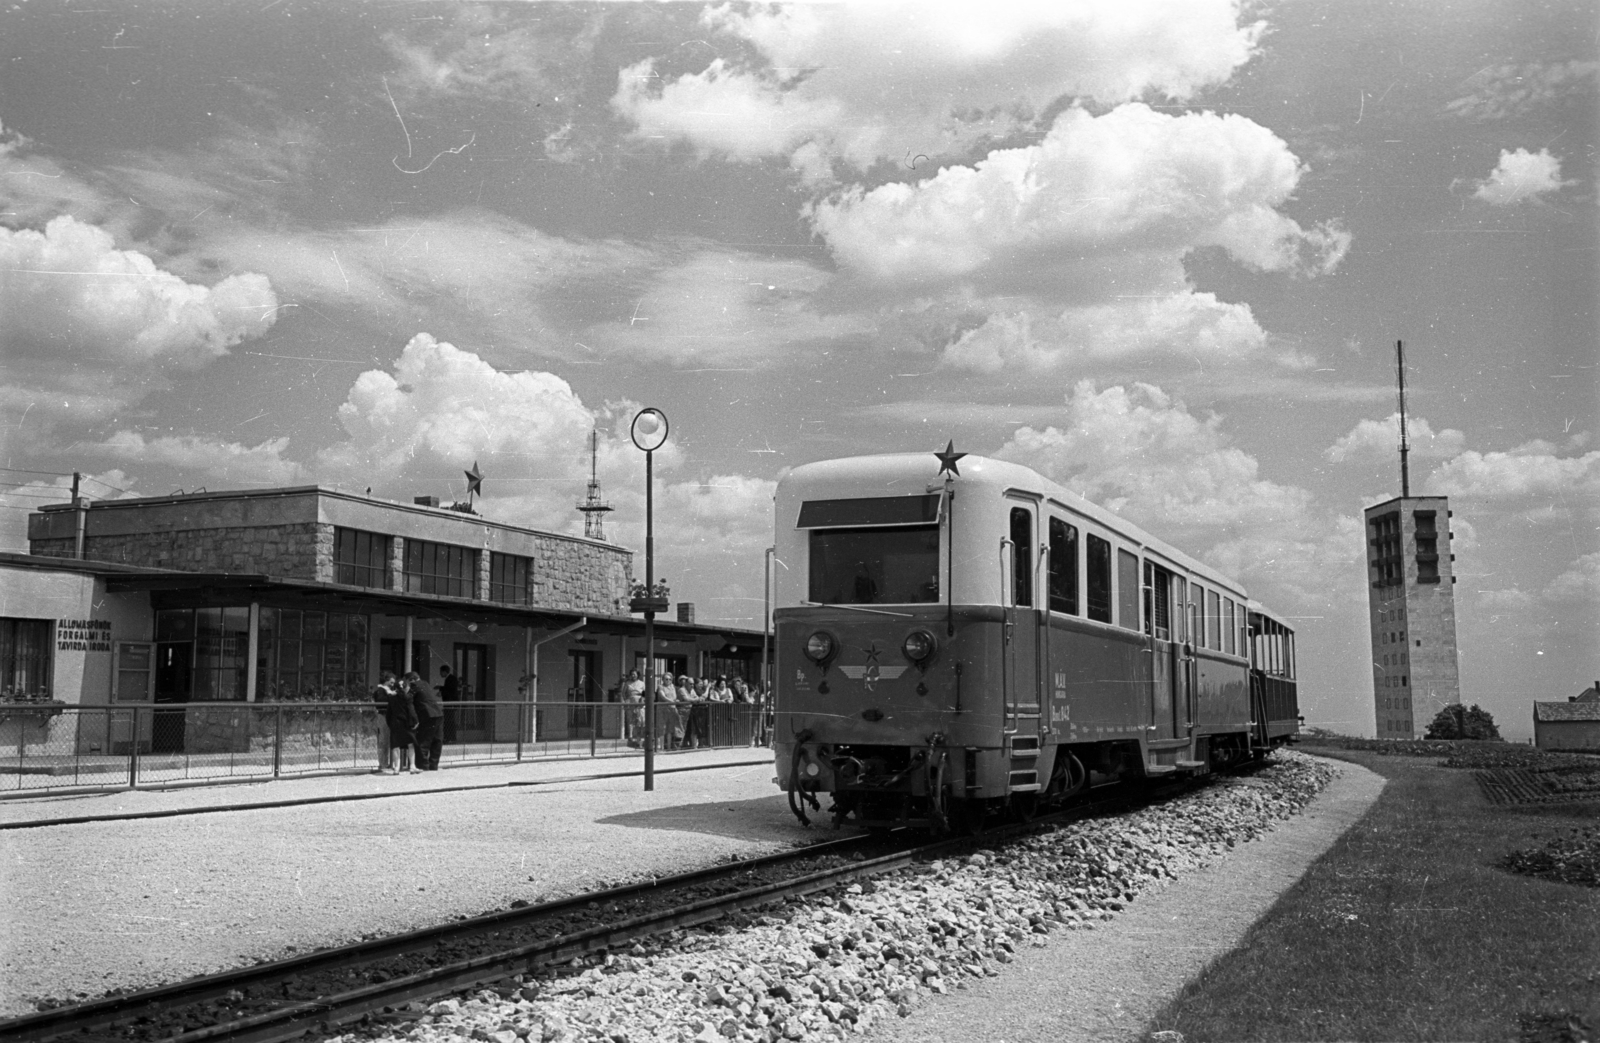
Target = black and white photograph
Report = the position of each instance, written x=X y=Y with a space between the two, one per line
x=909 y=520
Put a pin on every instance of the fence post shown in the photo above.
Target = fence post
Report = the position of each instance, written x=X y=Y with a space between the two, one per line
x=277 y=739
x=133 y=751
x=522 y=720
x=594 y=726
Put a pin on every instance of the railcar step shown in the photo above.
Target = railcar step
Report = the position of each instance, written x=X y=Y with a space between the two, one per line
x=1160 y=769
x=1191 y=765
x=1027 y=787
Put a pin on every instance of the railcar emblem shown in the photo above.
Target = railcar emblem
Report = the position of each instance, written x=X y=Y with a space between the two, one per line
x=870 y=672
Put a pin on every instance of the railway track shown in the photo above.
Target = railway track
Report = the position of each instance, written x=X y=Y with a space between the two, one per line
x=284 y=1000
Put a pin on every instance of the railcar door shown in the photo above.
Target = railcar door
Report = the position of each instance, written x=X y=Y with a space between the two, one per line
x=1164 y=652
x=1021 y=673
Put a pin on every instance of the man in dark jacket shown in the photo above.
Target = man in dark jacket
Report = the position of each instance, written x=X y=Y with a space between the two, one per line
x=449 y=688
x=430 y=715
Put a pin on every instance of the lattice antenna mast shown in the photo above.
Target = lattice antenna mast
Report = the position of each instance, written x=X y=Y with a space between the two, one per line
x=594 y=506
x=1405 y=444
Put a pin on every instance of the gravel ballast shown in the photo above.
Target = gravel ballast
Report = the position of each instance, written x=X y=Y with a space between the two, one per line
x=834 y=965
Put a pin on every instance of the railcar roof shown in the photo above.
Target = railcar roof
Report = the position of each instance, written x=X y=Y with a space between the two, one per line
x=917 y=472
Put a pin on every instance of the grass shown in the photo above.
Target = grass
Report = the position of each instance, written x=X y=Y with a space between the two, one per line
x=1406 y=930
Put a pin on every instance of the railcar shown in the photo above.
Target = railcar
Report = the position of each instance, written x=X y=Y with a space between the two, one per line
x=958 y=636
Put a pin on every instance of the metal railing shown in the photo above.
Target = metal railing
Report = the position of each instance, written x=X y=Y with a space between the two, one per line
x=114 y=747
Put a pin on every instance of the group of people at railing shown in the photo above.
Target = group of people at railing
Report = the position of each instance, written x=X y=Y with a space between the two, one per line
x=692 y=712
x=413 y=710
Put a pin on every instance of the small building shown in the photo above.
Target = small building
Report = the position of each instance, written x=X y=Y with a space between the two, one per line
x=305 y=595
x=1573 y=725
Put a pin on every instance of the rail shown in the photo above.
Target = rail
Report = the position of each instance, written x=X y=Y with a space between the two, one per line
x=47 y=747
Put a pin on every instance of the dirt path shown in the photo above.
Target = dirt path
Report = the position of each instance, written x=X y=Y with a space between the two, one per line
x=1106 y=984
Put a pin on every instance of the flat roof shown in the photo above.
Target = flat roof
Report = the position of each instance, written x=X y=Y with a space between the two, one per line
x=287 y=491
x=174 y=588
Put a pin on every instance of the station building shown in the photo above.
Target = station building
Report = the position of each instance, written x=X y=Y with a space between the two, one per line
x=1412 y=613
x=306 y=594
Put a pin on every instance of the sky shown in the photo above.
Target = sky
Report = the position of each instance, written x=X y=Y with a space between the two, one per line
x=1159 y=250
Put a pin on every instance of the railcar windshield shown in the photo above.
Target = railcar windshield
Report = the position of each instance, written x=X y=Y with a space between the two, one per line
x=885 y=566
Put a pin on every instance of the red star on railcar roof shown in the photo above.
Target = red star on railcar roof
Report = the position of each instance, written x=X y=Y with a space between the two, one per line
x=948 y=458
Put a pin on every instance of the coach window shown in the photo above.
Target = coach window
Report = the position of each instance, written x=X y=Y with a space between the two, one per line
x=1180 y=598
x=1098 y=593
x=1157 y=602
x=1227 y=627
x=1127 y=590
x=1063 y=567
x=1021 y=556
x=1213 y=618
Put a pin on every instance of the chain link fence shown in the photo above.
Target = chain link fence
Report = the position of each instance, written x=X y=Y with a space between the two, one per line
x=113 y=747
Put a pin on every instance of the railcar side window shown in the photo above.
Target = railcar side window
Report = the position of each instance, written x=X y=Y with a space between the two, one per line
x=1063 y=567
x=890 y=566
x=1127 y=590
x=1158 y=602
x=1099 y=581
x=1227 y=626
x=1180 y=598
x=1213 y=618
x=1197 y=615
x=1021 y=556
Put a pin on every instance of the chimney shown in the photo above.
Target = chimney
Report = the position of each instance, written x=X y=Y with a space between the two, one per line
x=425 y=501
x=686 y=611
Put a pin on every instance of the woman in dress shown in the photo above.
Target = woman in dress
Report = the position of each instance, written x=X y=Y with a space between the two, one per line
x=400 y=712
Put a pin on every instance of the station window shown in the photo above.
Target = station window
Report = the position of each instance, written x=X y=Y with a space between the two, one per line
x=441 y=568
x=311 y=656
x=1063 y=567
x=1127 y=590
x=361 y=559
x=1021 y=556
x=25 y=659
x=510 y=578
x=1098 y=594
x=221 y=654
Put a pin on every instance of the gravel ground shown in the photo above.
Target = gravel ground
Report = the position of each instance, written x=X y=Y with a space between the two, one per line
x=102 y=906
x=829 y=966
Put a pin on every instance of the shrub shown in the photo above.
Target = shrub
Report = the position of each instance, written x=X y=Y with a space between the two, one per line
x=1458 y=722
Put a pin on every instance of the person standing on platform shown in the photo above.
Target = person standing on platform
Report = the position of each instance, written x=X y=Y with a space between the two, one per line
x=669 y=729
x=633 y=706
x=401 y=715
x=380 y=695
x=430 y=715
x=449 y=687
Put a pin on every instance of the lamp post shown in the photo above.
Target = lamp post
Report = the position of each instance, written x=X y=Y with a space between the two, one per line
x=766 y=616
x=649 y=432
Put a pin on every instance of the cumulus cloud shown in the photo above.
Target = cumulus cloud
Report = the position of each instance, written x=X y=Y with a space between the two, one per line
x=90 y=328
x=1134 y=188
x=1089 y=229
x=1380 y=440
x=69 y=290
x=1520 y=176
x=441 y=403
x=439 y=409
x=823 y=88
x=231 y=462
x=1531 y=469
x=1141 y=453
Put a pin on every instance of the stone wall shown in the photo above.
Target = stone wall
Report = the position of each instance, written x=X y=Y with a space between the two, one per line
x=292 y=551
x=582 y=577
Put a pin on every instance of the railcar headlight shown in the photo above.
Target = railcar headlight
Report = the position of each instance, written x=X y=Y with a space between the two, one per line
x=919 y=646
x=819 y=647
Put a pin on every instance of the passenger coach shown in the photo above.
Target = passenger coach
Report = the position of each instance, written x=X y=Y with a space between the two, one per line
x=958 y=635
